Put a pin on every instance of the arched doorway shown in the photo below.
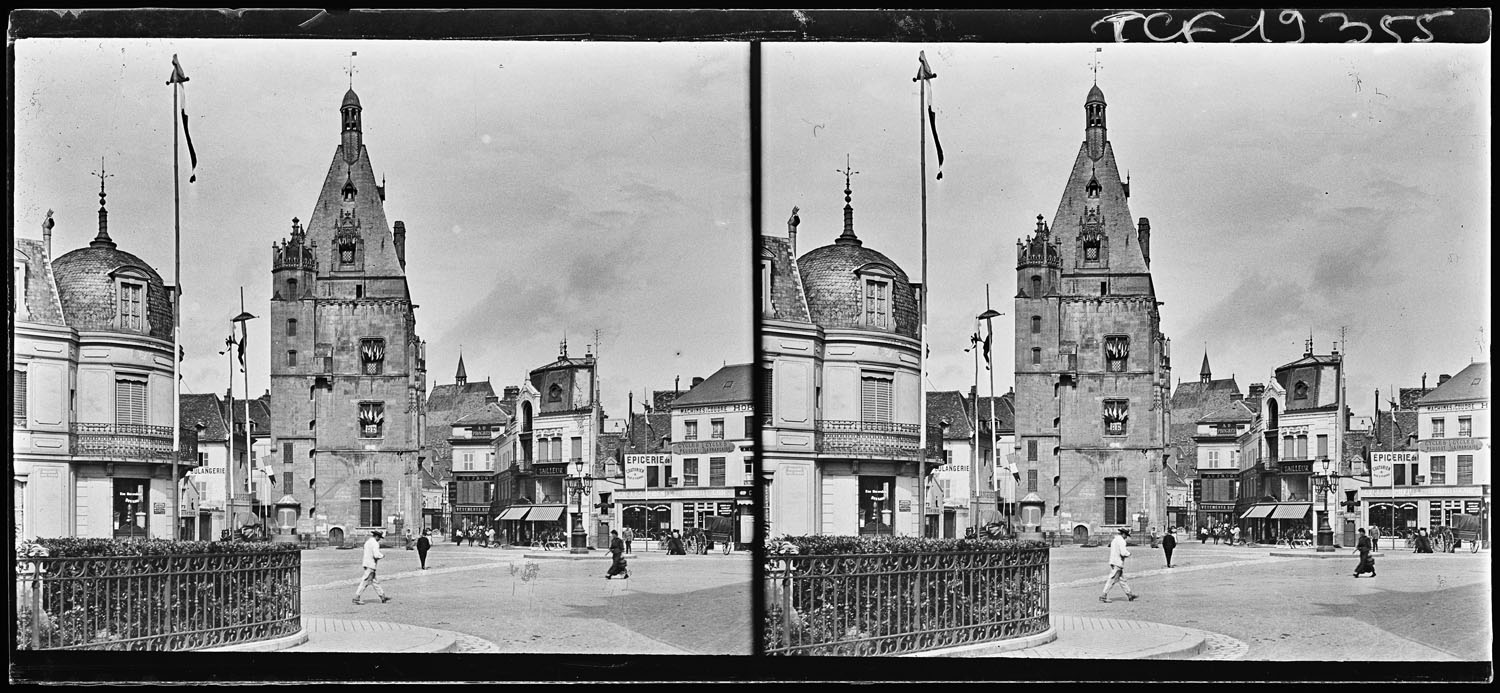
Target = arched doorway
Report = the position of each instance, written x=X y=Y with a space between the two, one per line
x=336 y=536
x=1080 y=534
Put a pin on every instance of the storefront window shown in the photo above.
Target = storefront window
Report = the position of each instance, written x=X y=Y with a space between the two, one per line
x=1394 y=520
x=130 y=509
x=876 y=504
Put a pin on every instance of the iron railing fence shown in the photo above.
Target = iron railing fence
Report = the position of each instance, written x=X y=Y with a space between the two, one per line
x=161 y=603
x=900 y=603
x=874 y=438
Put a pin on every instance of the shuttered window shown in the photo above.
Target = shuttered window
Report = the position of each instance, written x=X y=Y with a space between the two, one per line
x=371 y=497
x=875 y=398
x=1465 y=469
x=690 y=471
x=765 y=394
x=18 y=395
x=286 y=482
x=716 y=471
x=130 y=402
x=1031 y=480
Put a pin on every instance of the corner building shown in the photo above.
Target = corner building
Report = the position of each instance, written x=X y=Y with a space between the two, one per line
x=1092 y=366
x=840 y=394
x=347 y=368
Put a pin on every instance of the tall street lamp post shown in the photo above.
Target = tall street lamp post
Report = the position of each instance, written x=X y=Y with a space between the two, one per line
x=986 y=316
x=241 y=320
x=580 y=486
x=1325 y=530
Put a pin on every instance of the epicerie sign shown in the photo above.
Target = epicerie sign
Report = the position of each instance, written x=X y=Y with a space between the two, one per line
x=1381 y=464
x=635 y=468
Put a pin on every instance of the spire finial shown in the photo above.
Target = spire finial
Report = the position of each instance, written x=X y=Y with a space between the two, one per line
x=351 y=69
x=103 y=238
x=1097 y=51
x=848 y=237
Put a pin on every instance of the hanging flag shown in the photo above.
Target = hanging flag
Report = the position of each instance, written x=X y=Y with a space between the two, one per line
x=1014 y=472
x=244 y=336
x=179 y=78
x=988 y=338
x=925 y=73
x=932 y=117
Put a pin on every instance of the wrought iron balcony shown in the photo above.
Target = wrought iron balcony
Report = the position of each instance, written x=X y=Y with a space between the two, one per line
x=868 y=438
x=131 y=442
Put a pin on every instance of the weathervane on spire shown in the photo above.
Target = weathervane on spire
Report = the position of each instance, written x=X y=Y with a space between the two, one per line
x=101 y=175
x=848 y=171
x=351 y=69
x=1097 y=51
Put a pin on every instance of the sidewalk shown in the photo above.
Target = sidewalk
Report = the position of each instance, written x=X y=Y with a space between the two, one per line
x=346 y=635
x=1083 y=637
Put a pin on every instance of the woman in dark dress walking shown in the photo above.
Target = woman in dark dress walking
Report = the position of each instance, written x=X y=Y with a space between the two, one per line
x=616 y=556
x=1366 y=564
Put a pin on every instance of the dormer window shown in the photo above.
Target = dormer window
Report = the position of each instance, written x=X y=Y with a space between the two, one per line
x=555 y=393
x=877 y=281
x=130 y=287
x=20 y=285
x=1299 y=391
x=765 y=285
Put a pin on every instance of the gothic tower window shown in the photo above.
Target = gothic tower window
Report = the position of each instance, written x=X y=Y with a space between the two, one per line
x=1116 y=414
x=1116 y=353
x=371 y=500
x=371 y=419
x=1036 y=324
x=346 y=252
x=1116 y=494
x=1036 y=356
x=291 y=359
x=1036 y=286
x=291 y=289
x=371 y=356
x=291 y=328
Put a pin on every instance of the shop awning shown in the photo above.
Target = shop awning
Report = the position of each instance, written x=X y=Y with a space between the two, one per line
x=1258 y=511
x=517 y=512
x=544 y=513
x=1291 y=511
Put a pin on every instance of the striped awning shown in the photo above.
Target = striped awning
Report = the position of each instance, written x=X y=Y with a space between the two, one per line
x=1291 y=511
x=1259 y=511
x=517 y=512
x=544 y=513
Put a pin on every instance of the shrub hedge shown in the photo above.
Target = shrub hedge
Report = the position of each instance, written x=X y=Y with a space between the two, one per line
x=73 y=547
x=828 y=545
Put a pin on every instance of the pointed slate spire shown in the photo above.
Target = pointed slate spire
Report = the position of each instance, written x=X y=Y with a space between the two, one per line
x=848 y=237
x=1205 y=373
x=461 y=377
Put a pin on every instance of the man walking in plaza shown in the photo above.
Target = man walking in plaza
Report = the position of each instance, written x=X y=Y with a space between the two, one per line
x=627 y=536
x=372 y=558
x=423 y=545
x=1117 y=555
x=1168 y=543
x=1374 y=537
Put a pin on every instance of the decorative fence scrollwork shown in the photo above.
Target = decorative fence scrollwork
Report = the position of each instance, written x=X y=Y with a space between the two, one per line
x=900 y=603
x=157 y=602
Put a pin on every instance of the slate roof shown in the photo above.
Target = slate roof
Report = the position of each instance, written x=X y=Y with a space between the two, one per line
x=457 y=400
x=489 y=415
x=1005 y=412
x=835 y=294
x=1471 y=383
x=950 y=406
x=87 y=291
x=728 y=384
x=206 y=408
x=788 y=299
x=41 y=300
x=1234 y=412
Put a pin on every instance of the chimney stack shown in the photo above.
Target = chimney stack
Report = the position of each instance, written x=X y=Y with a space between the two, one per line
x=696 y=382
x=1443 y=379
x=399 y=231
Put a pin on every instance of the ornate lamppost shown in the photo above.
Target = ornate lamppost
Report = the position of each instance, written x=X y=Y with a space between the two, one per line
x=580 y=486
x=1325 y=529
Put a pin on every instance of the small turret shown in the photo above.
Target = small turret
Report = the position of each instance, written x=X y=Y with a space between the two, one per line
x=353 y=129
x=1093 y=109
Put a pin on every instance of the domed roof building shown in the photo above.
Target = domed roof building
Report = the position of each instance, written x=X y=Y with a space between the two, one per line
x=92 y=375
x=840 y=393
x=105 y=289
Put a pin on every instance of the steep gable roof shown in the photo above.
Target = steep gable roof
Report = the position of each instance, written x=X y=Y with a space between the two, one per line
x=949 y=406
x=726 y=385
x=788 y=298
x=1234 y=412
x=207 y=409
x=41 y=303
x=1471 y=383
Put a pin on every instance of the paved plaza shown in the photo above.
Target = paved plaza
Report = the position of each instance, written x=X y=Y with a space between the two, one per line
x=1421 y=607
x=670 y=605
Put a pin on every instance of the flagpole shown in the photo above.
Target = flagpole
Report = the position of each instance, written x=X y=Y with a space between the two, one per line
x=923 y=74
x=176 y=320
x=994 y=425
x=245 y=370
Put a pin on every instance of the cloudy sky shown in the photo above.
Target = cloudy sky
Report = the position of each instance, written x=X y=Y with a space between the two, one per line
x=1292 y=189
x=548 y=189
